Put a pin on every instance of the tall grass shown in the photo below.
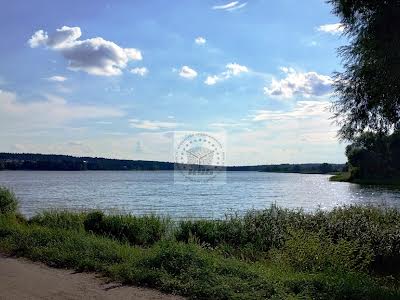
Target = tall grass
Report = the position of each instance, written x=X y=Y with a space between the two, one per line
x=372 y=233
x=144 y=230
x=183 y=268
x=350 y=252
x=60 y=219
x=8 y=201
x=370 y=230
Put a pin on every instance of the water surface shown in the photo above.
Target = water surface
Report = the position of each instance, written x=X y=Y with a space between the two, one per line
x=145 y=192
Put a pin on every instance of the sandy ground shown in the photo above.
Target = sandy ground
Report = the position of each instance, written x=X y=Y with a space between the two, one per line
x=21 y=279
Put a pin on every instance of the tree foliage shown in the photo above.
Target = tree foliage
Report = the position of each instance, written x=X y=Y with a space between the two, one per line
x=368 y=90
x=374 y=156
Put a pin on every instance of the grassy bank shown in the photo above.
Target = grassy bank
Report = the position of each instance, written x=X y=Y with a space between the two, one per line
x=345 y=177
x=347 y=253
x=341 y=177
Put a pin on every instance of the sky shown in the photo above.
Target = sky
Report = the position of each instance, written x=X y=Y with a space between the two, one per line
x=117 y=78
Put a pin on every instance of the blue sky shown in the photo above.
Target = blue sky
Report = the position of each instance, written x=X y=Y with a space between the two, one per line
x=116 y=78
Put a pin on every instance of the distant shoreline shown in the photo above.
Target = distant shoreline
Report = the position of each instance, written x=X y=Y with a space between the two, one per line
x=53 y=162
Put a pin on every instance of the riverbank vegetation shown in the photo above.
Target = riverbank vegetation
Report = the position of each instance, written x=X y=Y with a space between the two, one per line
x=367 y=91
x=373 y=159
x=276 y=253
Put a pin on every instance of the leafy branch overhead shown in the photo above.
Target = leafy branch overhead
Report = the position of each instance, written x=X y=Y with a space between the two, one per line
x=368 y=90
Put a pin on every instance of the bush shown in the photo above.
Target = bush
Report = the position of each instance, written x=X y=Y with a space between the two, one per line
x=93 y=222
x=185 y=269
x=60 y=219
x=8 y=201
x=262 y=230
x=313 y=252
x=343 y=229
x=143 y=230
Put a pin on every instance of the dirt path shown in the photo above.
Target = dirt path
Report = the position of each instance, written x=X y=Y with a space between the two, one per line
x=21 y=279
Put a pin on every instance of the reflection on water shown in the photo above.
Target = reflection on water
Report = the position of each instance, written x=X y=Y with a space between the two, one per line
x=144 y=192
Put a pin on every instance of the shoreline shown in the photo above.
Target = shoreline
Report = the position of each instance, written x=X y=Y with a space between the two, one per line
x=345 y=177
x=275 y=253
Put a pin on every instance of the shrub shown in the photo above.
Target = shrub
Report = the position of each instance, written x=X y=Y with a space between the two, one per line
x=60 y=219
x=260 y=230
x=200 y=273
x=313 y=252
x=8 y=201
x=93 y=222
x=143 y=230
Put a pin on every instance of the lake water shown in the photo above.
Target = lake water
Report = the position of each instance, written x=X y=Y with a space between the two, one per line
x=145 y=192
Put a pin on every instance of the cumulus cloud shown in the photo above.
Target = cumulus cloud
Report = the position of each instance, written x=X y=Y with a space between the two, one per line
x=231 y=69
x=95 y=56
x=297 y=83
x=140 y=71
x=231 y=6
x=38 y=38
x=335 y=28
x=57 y=78
x=235 y=69
x=187 y=72
x=152 y=125
x=211 y=80
x=200 y=40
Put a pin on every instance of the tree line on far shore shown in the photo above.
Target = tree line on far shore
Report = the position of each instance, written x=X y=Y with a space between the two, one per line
x=53 y=162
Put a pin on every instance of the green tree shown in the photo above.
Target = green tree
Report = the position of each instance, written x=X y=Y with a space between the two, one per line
x=373 y=155
x=325 y=168
x=368 y=90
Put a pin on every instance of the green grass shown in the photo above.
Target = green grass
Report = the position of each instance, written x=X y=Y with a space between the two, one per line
x=341 y=177
x=8 y=201
x=346 y=253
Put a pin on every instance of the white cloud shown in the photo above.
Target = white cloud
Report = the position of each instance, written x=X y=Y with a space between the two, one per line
x=227 y=124
x=143 y=71
x=231 y=69
x=331 y=28
x=57 y=78
x=231 y=6
x=237 y=7
x=95 y=56
x=187 y=72
x=200 y=40
x=211 y=80
x=302 y=110
x=297 y=83
x=51 y=112
x=38 y=38
x=235 y=69
x=303 y=133
x=226 y=6
x=152 y=125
